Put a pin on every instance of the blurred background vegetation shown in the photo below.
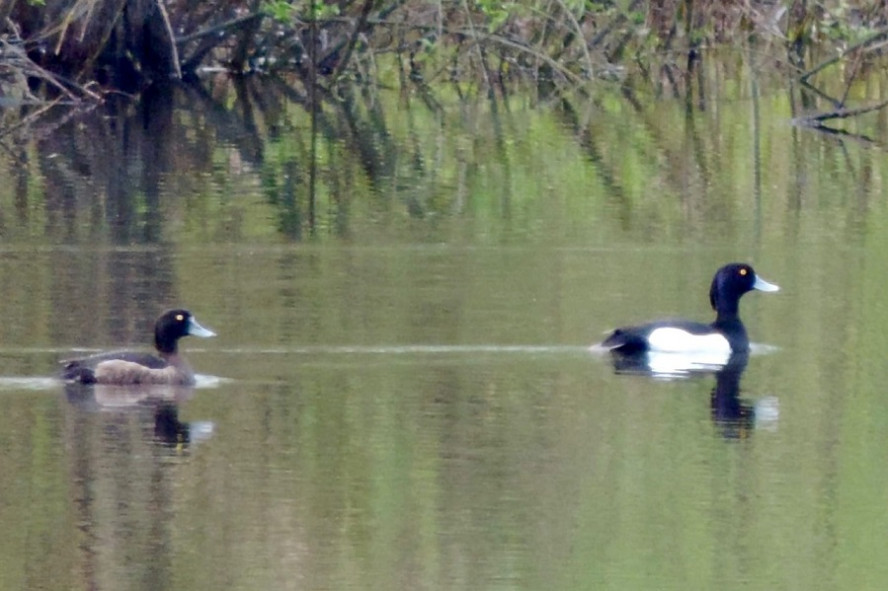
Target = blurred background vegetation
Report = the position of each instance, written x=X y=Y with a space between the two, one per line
x=80 y=48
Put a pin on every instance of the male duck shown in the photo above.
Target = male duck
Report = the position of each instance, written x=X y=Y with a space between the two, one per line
x=726 y=335
x=128 y=368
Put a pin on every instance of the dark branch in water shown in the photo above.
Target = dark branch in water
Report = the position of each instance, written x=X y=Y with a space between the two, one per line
x=844 y=135
x=840 y=113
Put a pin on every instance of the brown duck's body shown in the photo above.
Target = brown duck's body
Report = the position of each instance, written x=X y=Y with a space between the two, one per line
x=121 y=371
x=123 y=368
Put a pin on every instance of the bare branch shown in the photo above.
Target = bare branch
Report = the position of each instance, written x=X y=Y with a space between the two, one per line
x=353 y=39
x=169 y=30
x=876 y=37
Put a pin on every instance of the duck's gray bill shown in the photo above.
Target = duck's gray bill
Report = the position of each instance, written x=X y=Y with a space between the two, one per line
x=762 y=285
x=196 y=330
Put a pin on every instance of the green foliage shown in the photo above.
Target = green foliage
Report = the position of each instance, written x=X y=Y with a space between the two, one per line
x=637 y=17
x=285 y=11
x=280 y=10
x=495 y=13
x=320 y=11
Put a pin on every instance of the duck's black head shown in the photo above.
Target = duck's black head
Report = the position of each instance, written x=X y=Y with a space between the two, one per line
x=172 y=326
x=730 y=283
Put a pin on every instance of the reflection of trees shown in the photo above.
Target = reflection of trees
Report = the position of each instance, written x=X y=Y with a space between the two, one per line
x=702 y=167
x=102 y=192
x=131 y=172
x=111 y=173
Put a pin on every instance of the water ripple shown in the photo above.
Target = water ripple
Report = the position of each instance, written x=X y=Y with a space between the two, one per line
x=405 y=350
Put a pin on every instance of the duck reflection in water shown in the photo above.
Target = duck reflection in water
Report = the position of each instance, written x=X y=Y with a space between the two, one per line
x=734 y=416
x=170 y=431
x=159 y=405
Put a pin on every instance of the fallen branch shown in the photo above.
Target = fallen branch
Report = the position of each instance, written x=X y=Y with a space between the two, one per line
x=839 y=114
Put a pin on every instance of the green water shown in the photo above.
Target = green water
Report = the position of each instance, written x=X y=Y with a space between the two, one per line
x=401 y=395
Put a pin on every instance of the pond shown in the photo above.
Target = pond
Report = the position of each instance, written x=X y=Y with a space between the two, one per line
x=401 y=394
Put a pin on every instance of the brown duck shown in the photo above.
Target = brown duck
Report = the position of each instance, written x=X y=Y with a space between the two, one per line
x=128 y=368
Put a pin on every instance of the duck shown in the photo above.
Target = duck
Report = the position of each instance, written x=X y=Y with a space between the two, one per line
x=126 y=368
x=726 y=335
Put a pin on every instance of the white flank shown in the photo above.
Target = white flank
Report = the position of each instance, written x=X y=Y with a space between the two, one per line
x=676 y=340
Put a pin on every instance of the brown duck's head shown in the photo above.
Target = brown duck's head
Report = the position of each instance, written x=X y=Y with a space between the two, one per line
x=172 y=326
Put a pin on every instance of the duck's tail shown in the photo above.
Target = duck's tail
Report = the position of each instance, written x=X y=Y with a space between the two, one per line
x=624 y=341
x=74 y=371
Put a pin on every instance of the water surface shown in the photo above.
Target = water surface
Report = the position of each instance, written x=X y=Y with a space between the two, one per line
x=401 y=395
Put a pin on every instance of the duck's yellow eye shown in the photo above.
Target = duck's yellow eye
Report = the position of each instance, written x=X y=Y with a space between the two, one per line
x=743 y=272
x=179 y=317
